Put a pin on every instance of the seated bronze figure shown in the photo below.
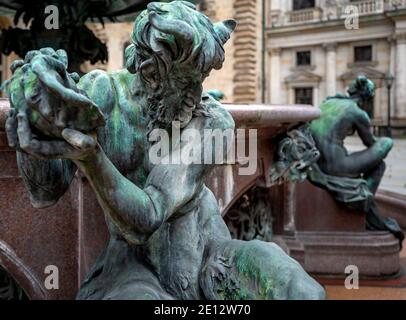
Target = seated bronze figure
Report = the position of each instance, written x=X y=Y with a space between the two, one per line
x=167 y=237
x=353 y=178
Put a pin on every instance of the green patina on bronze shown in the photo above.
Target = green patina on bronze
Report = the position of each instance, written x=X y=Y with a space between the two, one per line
x=165 y=225
x=332 y=110
x=353 y=178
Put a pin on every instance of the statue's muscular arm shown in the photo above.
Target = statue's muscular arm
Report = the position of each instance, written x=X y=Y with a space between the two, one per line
x=138 y=212
x=363 y=128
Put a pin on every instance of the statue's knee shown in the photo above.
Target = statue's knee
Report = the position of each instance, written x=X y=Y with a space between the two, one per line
x=287 y=272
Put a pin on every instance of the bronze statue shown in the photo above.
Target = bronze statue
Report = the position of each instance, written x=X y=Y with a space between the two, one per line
x=168 y=239
x=353 y=178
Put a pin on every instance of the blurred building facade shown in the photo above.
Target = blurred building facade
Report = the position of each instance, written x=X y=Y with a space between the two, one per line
x=240 y=77
x=293 y=51
x=313 y=54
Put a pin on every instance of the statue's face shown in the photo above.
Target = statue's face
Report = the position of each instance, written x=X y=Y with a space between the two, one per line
x=184 y=92
x=181 y=94
x=174 y=48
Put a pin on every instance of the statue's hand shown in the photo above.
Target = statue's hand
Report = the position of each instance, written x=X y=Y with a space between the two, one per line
x=43 y=90
x=384 y=145
x=75 y=144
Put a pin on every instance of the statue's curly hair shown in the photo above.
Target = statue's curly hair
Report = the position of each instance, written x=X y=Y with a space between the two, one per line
x=172 y=33
x=362 y=87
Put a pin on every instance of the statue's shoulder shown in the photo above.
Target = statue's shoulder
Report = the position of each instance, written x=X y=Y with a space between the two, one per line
x=218 y=117
x=340 y=102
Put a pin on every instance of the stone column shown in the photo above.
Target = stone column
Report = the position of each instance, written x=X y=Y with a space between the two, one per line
x=331 y=72
x=392 y=69
x=400 y=76
x=115 y=49
x=316 y=90
x=275 y=75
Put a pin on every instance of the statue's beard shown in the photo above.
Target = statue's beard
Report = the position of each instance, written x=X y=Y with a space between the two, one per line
x=165 y=108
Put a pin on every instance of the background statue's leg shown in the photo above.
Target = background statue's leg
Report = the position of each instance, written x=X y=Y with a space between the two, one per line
x=374 y=177
x=252 y=270
x=375 y=222
x=355 y=163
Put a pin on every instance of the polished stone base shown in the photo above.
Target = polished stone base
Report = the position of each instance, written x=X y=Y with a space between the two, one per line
x=376 y=254
x=326 y=237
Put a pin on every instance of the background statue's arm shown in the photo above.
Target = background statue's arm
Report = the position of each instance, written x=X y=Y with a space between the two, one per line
x=363 y=128
x=382 y=146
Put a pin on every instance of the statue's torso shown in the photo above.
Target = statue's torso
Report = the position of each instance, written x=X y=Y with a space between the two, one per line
x=124 y=140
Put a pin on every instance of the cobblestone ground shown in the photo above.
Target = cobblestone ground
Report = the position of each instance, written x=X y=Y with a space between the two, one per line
x=395 y=175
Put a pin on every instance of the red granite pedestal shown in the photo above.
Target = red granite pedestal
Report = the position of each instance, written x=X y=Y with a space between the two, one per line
x=326 y=237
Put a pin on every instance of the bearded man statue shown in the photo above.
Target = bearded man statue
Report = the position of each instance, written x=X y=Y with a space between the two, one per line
x=167 y=237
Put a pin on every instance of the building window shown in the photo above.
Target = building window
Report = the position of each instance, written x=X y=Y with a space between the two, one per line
x=363 y=54
x=303 y=58
x=304 y=96
x=303 y=4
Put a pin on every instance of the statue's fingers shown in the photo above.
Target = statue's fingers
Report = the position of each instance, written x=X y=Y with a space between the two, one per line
x=11 y=129
x=16 y=64
x=23 y=130
x=30 y=55
x=45 y=108
x=71 y=97
x=63 y=57
x=32 y=88
x=41 y=149
x=47 y=51
x=79 y=139
x=35 y=97
x=56 y=64
x=54 y=149
x=61 y=118
x=75 y=76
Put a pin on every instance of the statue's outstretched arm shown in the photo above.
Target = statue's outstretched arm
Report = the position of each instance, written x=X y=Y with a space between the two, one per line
x=378 y=148
x=170 y=188
x=139 y=212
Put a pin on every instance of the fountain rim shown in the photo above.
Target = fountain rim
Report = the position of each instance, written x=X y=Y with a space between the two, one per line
x=245 y=115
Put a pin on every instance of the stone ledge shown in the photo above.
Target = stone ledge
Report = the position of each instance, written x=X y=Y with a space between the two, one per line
x=376 y=254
